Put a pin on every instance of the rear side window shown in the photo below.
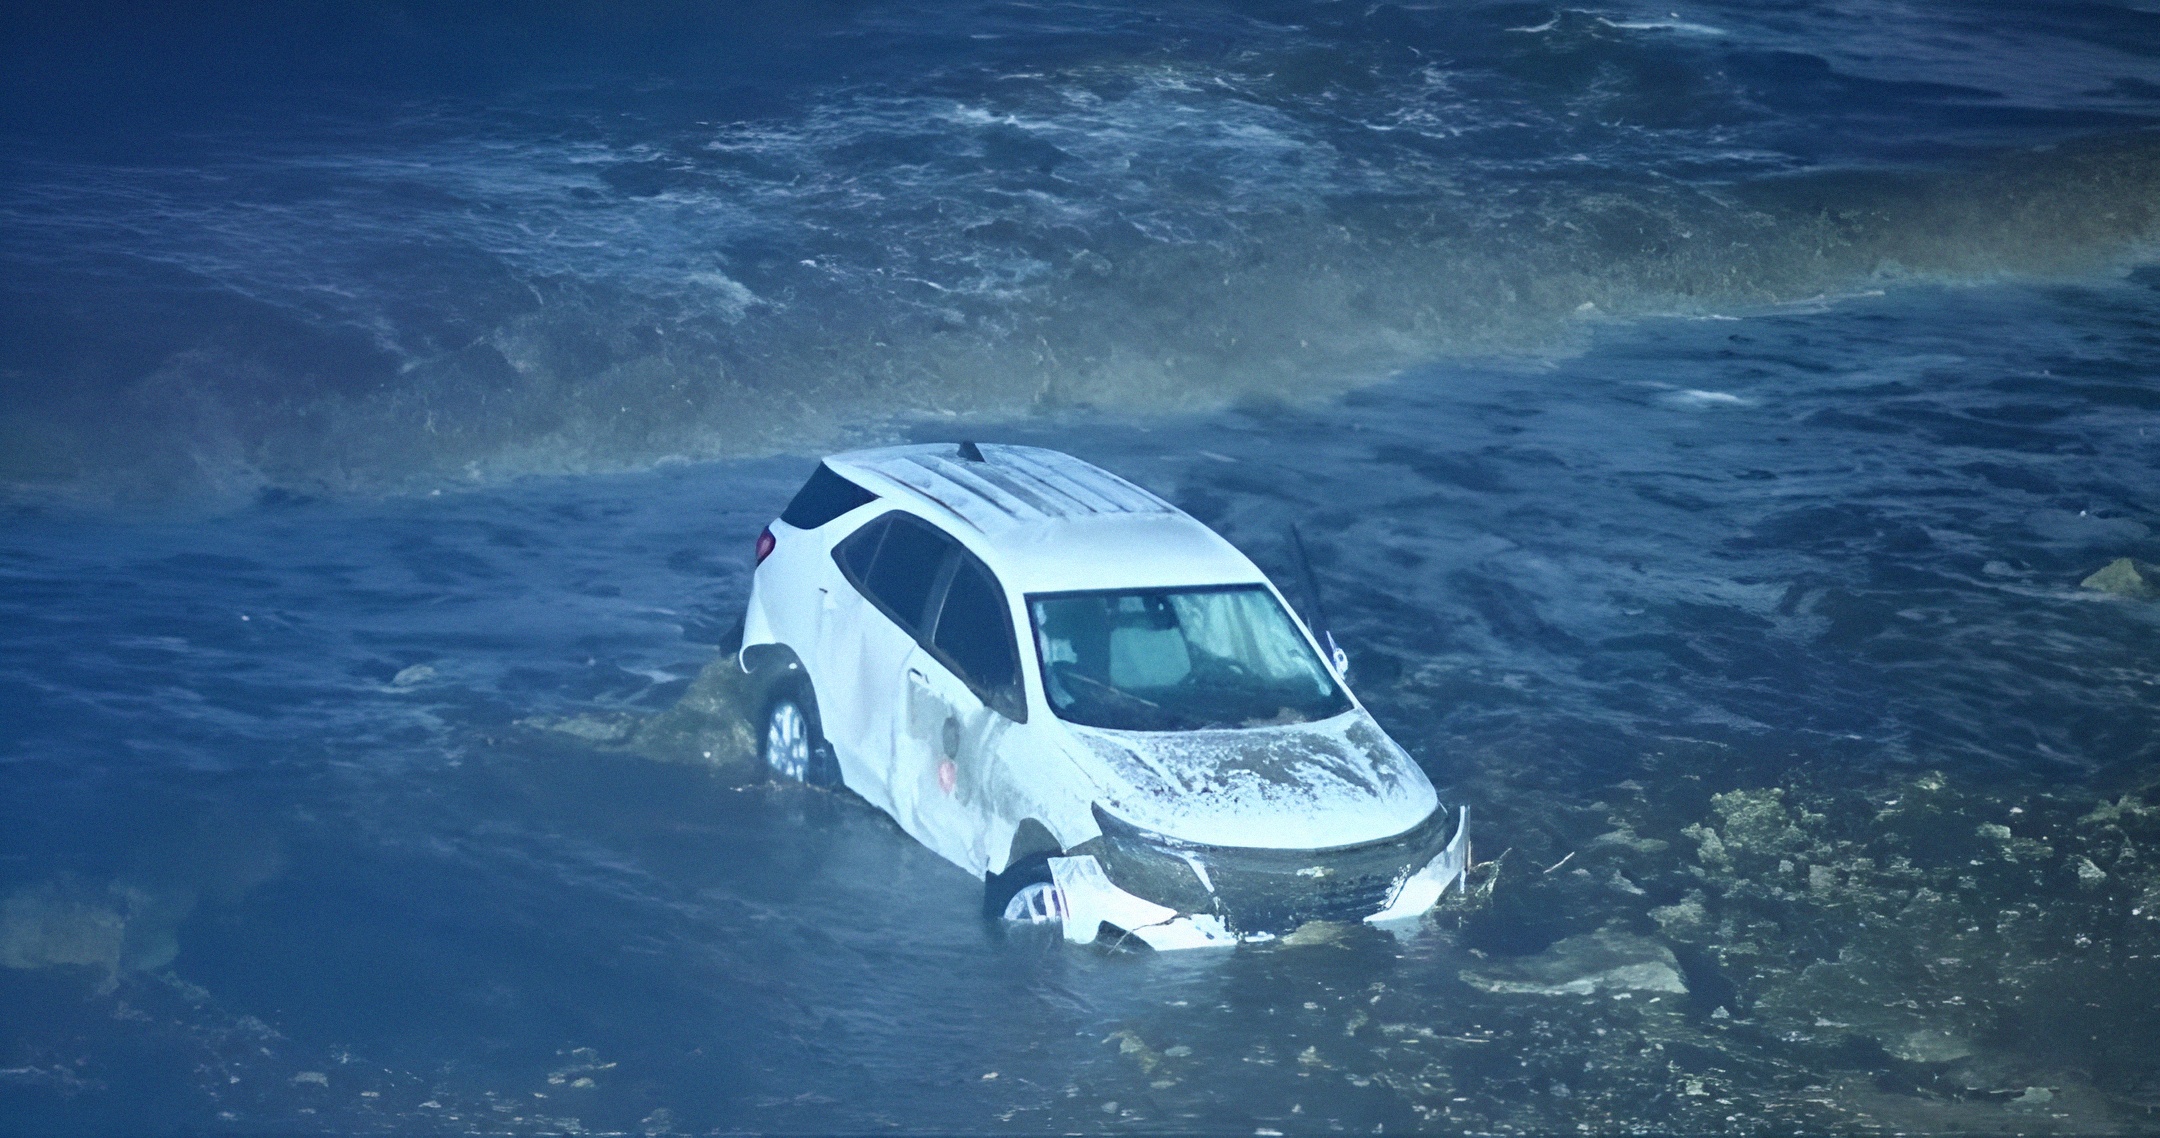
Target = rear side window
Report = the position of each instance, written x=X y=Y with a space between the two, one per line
x=895 y=561
x=974 y=636
x=944 y=597
x=825 y=497
x=859 y=549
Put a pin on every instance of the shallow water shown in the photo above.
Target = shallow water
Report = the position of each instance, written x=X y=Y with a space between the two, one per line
x=1702 y=424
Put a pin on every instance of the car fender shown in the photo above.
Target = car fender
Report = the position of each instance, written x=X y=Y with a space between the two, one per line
x=1037 y=793
x=757 y=629
x=769 y=659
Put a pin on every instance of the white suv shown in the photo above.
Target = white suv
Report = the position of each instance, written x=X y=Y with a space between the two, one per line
x=1071 y=689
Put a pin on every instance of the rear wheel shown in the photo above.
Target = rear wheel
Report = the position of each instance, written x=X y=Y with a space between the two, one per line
x=792 y=746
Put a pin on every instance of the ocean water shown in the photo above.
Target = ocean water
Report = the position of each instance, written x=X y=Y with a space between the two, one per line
x=1704 y=421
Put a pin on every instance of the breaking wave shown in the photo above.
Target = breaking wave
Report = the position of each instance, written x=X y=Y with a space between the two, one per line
x=450 y=299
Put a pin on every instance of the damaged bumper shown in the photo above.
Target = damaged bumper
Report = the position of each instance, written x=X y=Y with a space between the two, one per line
x=1091 y=902
x=1346 y=890
x=1423 y=889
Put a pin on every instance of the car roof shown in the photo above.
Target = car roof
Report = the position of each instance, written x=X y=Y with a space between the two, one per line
x=1047 y=522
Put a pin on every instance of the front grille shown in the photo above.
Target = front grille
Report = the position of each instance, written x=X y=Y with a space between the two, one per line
x=1264 y=890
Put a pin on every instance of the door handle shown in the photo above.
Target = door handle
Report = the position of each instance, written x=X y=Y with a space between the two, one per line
x=916 y=675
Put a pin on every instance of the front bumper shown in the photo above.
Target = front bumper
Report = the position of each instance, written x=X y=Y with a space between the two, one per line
x=1213 y=896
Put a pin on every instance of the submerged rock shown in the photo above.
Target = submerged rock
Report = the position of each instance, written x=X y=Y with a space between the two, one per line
x=1603 y=961
x=43 y=926
x=711 y=724
x=1927 y=1045
x=591 y=728
x=2121 y=578
x=1316 y=933
x=66 y=922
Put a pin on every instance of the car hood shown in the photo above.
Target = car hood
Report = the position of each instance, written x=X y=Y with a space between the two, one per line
x=1337 y=782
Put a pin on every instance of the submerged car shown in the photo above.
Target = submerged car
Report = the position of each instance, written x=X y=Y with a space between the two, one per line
x=1076 y=692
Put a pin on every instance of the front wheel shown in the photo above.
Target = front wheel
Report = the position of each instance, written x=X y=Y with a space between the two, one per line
x=1024 y=893
x=1037 y=904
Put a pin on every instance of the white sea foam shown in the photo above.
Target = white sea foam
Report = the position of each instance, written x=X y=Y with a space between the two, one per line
x=1693 y=398
x=1672 y=25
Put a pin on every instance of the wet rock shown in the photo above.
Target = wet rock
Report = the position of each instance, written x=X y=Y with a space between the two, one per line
x=2121 y=578
x=2010 y=847
x=2124 y=810
x=1682 y=918
x=1603 y=961
x=1625 y=839
x=1709 y=848
x=2089 y=875
x=1757 y=821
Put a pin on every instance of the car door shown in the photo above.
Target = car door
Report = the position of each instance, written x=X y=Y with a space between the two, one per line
x=890 y=567
x=961 y=699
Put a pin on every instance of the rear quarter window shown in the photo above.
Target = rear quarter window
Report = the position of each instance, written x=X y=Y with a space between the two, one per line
x=895 y=561
x=825 y=497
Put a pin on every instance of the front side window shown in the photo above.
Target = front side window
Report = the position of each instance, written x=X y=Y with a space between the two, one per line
x=974 y=637
x=1179 y=660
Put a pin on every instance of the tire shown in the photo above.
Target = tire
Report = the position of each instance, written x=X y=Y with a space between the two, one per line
x=1022 y=877
x=790 y=743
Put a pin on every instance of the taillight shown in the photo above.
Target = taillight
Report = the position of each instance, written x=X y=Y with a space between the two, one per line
x=764 y=546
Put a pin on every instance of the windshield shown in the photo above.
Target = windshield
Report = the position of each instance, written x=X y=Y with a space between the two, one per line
x=1179 y=660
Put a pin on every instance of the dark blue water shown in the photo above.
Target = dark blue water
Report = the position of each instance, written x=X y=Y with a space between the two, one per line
x=1703 y=421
